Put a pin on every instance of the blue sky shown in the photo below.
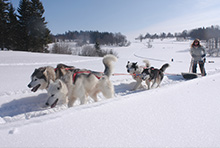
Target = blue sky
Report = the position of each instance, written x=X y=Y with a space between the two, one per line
x=130 y=17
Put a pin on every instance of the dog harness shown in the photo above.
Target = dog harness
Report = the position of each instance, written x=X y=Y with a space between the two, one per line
x=137 y=75
x=85 y=72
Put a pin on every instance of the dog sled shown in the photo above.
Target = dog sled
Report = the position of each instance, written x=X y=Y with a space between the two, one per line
x=189 y=75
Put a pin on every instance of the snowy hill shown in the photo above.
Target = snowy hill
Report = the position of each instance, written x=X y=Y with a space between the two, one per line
x=178 y=114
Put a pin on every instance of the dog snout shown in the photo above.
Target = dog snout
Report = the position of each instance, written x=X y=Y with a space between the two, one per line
x=29 y=85
x=128 y=70
x=47 y=104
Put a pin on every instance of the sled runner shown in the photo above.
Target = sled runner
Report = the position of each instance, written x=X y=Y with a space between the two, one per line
x=188 y=75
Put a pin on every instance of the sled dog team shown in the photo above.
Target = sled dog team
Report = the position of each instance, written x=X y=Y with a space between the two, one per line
x=65 y=84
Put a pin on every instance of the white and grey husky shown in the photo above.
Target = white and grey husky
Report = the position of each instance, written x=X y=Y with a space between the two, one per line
x=81 y=84
x=135 y=70
x=40 y=78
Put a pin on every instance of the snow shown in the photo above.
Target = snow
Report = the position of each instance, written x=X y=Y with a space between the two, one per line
x=179 y=113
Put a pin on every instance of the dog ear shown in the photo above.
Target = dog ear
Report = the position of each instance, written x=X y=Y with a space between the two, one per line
x=42 y=69
x=59 y=86
x=51 y=81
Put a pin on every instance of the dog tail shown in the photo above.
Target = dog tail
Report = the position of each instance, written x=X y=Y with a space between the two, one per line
x=164 y=67
x=147 y=63
x=107 y=61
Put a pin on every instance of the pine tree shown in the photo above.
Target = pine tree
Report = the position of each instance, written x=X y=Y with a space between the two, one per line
x=98 y=49
x=24 y=23
x=35 y=34
x=3 y=22
x=39 y=31
x=12 y=29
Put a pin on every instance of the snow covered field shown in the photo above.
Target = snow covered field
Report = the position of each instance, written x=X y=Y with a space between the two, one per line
x=178 y=114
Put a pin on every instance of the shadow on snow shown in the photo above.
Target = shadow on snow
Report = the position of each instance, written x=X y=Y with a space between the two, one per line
x=23 y=105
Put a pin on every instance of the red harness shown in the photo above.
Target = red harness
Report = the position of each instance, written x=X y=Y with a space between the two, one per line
x=86 y=72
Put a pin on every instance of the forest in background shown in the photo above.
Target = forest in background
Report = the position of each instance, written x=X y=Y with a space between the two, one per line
x=26 y=30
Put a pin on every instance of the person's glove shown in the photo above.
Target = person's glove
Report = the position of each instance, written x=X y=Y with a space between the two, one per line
x=193 y=55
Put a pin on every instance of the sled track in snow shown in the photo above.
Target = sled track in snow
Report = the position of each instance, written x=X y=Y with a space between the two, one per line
x=153 y=59
x=32 y=105
x=47 y=63
x=27 y=105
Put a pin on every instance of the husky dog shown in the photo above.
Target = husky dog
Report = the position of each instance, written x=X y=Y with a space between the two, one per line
x=57 y=90
x=154 y=75
x=81 y=84
x=135 y=70
x=40 y=78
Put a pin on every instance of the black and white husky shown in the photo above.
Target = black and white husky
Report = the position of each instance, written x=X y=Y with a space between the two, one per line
x=135 y=70
x=154 y=75
x=79 y=84
x=40 y=78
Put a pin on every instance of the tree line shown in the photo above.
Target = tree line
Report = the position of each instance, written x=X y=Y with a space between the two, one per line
x=93 y=37
x=25 y=31
x=200 y=33
x=205 y=33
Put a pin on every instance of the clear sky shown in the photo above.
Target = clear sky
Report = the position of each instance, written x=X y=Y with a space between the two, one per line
x=130 y=17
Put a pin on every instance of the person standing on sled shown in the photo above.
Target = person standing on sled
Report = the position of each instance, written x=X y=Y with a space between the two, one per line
x=198 y=54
